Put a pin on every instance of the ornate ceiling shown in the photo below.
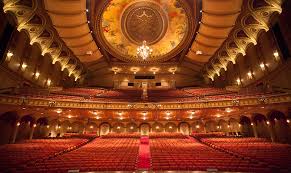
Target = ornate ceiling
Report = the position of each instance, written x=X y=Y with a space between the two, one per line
x=197 y=37
x=122 y=26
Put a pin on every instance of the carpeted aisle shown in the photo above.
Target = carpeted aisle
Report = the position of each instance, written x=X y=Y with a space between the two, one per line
x=144 y=157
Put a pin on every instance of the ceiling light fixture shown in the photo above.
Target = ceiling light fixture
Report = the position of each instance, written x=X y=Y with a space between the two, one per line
x=144 y=51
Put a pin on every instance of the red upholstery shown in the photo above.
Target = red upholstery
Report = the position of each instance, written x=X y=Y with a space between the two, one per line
x=144 y=154
x=12 y=155
x=98 y=155
x=260 y=149
x=186 y=154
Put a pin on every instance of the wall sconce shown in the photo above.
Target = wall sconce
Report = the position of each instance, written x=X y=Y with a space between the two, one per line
x=9 y=55
x=276 y=55
x=23 y=66
x=262 y=65
x=36 y=75
x=48 y=82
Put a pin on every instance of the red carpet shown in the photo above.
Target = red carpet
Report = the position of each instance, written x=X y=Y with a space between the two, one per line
x=144 y=158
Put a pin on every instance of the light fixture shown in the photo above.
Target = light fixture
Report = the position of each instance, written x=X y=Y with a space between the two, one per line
x=262 y=65
x=59 y=111
x=131 y=127
x=252 y=124
x=34 y=125
x=238 y=81
x=118 y=127
x=69 y=116
x=191 y=117
x=23 y=66
x=268 y=122
x=168 y=113
x=9 y=55
x=157 y=127
x=48 y=82
x=91 y=127
x=276 y=55
x=18 y=124
x=199 y=52
x=36 y=75
x=228 y=110
x=170 y=127
x=250 y=76
x=97 y=117
x=144 y=51
x=288 y=121
x=228 y=126
x=197 y=126
x=47 y=126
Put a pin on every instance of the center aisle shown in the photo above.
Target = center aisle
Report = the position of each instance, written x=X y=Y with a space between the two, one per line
x=144 y=158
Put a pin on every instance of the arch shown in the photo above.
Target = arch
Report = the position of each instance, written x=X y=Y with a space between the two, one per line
x=41 y=129
x=234 y=125
x=157 y=127
x=211 y=126
x=104 y=128
x=246 y=127
x=131 y=127
x=7 y=126
x=91 y=128
x=279 y=126
x=145 y=128
x=171 y=127
x=78 y=127
x=118 y=127
x=260 y=125
x=184 y=128
x=222 y=126
x=197 y=127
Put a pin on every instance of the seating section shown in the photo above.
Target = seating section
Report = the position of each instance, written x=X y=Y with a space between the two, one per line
x=154 y=135
x=31 y=150
x=208 y=135
x=188 y=154
x=110 y=154
x=261 y=149
x=122 y=135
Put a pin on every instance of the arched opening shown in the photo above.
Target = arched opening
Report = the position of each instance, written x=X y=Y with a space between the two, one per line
x=234 y=125
x=118 y=128
x=246 y=127
x=25 y=127
x=210 y=126
x=131 y=127
x=260 y=123
x=170 y=127
x=104 y=128
x=222 y=126
x=7 y=126
x=91 y=128
x=145 y=129
x=157 y=127
x=198 y=127
x=278 y=125
x=41 y=129
x=184 y=128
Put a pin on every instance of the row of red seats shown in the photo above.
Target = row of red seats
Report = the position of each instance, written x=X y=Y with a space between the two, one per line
x=12 y=155
x=166 y=135
x=113 y=154
x=122 y=135
x=258 y=148
x=188 y=154
x=208 y=135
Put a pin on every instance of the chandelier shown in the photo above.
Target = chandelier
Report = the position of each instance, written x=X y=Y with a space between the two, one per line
x=144 y=51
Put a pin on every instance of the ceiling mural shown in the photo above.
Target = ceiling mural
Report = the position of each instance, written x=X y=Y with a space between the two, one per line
x=125 y=24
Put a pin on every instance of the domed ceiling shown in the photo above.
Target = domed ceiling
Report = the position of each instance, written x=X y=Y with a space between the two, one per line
x=123 y=25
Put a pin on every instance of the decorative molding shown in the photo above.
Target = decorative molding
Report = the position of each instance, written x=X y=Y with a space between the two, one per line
x=251 y=23
x=37 y=102
x=37 y=25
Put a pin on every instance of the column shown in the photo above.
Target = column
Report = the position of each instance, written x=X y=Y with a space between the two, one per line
x=254 y=129
x=32 y=131
x=271 y=131
x=15 y=133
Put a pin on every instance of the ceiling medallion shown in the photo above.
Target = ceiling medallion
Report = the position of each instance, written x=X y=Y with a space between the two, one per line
x=144 y=51
x=166 y=26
